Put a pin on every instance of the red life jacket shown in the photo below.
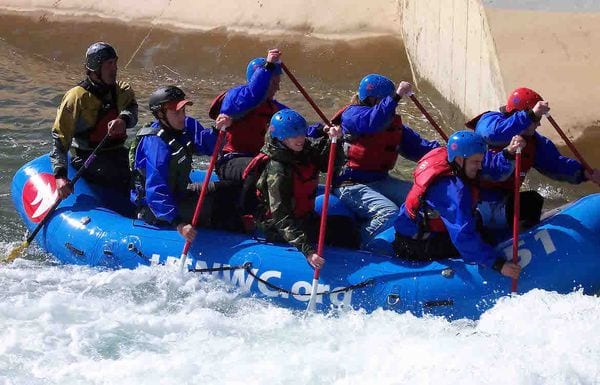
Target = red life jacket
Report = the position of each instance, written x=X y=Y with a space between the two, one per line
x=305 y=181
x=432 y=166
x=246 y=135
x=372 y=152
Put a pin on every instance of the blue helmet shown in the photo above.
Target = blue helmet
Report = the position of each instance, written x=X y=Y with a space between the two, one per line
x=375 y=85
x=97 y=54
x=465 y=144
x=259 y=62
x=287 y=124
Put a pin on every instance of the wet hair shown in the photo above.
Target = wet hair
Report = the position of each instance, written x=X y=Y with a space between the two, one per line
x=355 y=101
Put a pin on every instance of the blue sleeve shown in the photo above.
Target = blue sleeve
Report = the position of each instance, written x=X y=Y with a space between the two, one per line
x=158 y=196
x=453 y=200
x=239 y=100
x=413 y=147
x=204 y=139
x=315 y=130
x=496 y=167
x=498 y=129
x=403 y=224
x=551 y=163
x=360 y=120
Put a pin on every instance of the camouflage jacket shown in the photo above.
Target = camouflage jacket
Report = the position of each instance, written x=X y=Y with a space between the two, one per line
x=275 y=187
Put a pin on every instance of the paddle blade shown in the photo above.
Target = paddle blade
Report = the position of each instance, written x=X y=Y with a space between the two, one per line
x=16 y=252
x=312 y=302
x=182 y=263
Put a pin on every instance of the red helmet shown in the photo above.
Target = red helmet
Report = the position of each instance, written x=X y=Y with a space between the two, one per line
x=522 y=99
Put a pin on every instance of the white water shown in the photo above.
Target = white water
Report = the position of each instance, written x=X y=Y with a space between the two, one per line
x=78 y=325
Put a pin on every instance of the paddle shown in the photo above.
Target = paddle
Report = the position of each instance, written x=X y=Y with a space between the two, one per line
x=203 y=190
x=312 y=302
x=306 y=96
x=516 y=213
x=571 y=146
x=428 y=117
x=17 y=251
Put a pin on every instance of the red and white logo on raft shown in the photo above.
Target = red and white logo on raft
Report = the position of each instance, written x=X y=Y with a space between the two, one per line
x=39 y=194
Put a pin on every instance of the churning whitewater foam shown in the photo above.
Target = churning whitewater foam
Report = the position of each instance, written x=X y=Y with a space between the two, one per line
x=78 y=325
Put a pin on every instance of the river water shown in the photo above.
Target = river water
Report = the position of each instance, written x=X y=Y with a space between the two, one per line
x=77 y=325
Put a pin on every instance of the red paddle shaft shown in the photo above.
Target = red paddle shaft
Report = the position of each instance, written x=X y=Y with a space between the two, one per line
x=517 y=208
x=211 y=166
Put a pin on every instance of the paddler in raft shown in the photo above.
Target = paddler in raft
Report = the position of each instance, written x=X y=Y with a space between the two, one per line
x=97 y=106
x=374 y=136
x=521 y=116
x=439 y=218
x=161 y=160
x=245 y=112
x=288 y=167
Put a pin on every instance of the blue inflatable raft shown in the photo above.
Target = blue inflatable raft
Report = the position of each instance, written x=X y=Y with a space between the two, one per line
x=561 y=254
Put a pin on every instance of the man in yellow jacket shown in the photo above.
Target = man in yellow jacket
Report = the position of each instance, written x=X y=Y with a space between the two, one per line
x=97 y=106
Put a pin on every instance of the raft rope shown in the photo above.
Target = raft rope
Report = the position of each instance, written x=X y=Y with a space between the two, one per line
x=248 y=268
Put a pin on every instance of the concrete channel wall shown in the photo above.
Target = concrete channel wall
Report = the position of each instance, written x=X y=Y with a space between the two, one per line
x=472 y=51
x=320 y=18
x=449 y=44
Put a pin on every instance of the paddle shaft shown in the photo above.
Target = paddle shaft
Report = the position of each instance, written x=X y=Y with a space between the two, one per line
x=312 y=302
x=516 y=214
x=332 y=149
x=569 y=144
x=200 y=202
x=428 y=117
x=305 y=94
x=325 y=208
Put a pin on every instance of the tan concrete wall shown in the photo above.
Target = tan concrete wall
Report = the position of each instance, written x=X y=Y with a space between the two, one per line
x=450 y=46
x=331 y=18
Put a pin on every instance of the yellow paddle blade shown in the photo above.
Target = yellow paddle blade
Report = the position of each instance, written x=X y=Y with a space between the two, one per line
x=16 y=252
